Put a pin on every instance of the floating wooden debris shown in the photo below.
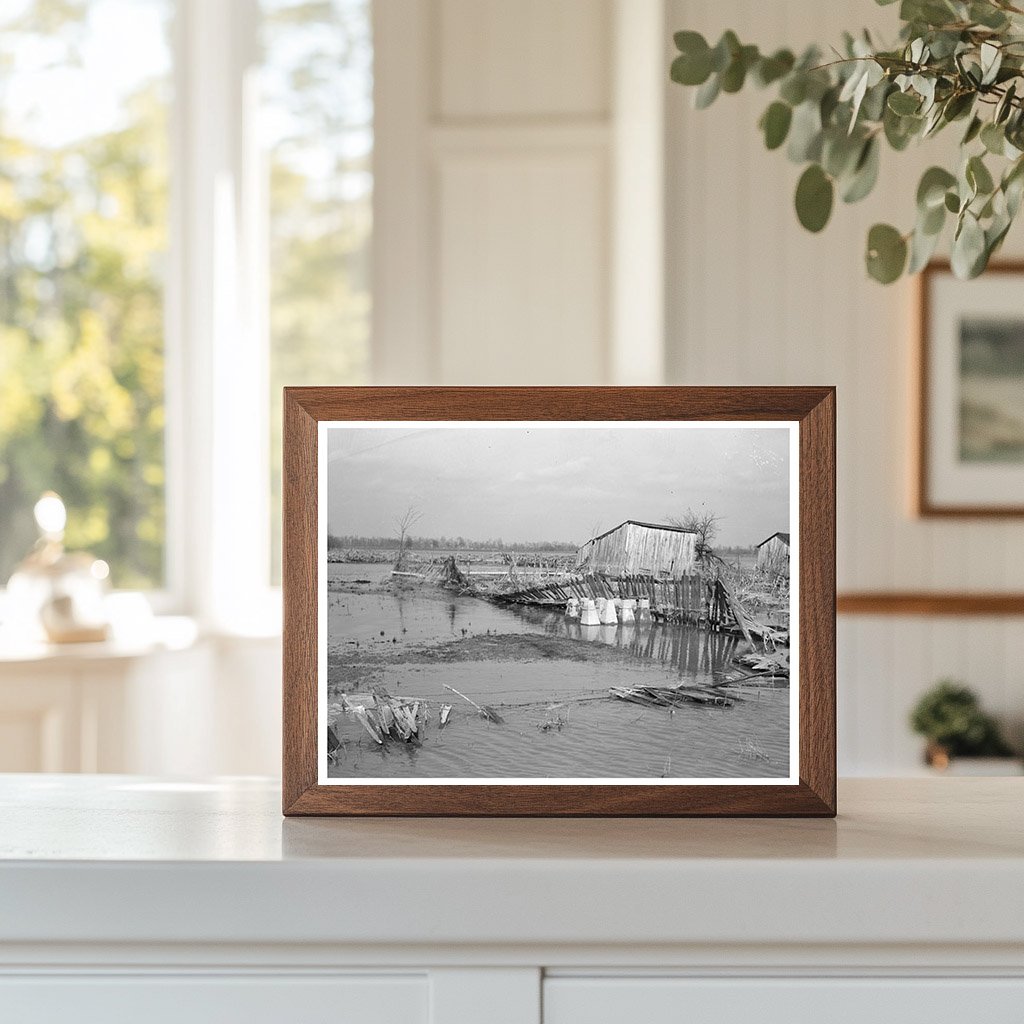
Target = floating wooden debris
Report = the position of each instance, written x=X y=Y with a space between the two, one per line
x=372 y=726
x=668 y=696
x=488 y=712
x=385 y=717
x=333 y=743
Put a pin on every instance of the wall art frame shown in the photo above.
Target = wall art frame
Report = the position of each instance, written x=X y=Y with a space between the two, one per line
x=969 y=444
x=312 y=413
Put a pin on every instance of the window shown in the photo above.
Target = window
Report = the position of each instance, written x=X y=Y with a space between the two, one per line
x=317 y=88
x=83 y=235
x=185 y=222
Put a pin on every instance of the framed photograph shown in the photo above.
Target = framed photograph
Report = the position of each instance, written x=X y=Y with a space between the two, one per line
x=970 y=450
x=559 y=601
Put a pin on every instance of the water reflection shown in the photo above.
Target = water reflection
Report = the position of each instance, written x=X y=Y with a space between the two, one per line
x=690 y=652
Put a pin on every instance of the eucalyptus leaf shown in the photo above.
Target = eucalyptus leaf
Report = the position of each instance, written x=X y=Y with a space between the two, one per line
x=931 y=190
x=987 y=15
x=955 y=60
x=886 y=253
x=794 y=88
x=993 y=138
x=978 y=176
x=771 y=69
x=1005 y=105
x=865 y=173
x=968 y=254
x=903 y=103
x=973 y=130
x=707 y=93
x=735 y=74
x=724 y=51
x=922 y=247
x=690 y=70
x=805 y=133
x=775 y=124
x=991 y=60
x=814 y=195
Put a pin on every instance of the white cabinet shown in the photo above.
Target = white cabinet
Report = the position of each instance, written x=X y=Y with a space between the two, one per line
x=202 y=999
x=127 y=899
x=828 y=1000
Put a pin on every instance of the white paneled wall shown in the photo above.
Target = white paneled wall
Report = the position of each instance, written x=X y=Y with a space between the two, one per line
x=498 y=156
x=552 y=211
x=753 y=299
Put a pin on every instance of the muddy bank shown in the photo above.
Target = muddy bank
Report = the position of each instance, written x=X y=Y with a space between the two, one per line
x=359 y=666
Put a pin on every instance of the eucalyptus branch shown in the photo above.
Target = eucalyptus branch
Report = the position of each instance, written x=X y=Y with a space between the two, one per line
x=955 y=61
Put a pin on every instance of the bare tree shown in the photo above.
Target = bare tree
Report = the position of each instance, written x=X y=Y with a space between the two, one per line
x=704 y=524
x=404 y=523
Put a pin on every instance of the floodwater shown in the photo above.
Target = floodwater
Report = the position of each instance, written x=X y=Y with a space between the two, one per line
x=548 y=678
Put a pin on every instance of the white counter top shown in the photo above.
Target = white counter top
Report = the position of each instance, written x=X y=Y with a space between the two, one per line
x=117 y=860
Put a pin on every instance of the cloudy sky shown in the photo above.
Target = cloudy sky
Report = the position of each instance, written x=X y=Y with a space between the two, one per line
x=555 y=483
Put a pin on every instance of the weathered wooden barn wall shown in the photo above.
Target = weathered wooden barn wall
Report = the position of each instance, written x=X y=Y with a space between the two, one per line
x=774 y=552
x=640 y=549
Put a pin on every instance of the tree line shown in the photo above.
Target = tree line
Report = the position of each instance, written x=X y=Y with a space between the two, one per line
x=346 y=542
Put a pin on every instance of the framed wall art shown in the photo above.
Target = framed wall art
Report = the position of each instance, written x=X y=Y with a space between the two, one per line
x=559 y=601
x=970 y=444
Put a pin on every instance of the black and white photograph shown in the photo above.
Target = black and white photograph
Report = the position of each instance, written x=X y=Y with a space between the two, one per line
x=557 y=602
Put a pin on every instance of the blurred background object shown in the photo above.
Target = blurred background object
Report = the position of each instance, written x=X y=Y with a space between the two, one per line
x=204 y=200
x=54 y=594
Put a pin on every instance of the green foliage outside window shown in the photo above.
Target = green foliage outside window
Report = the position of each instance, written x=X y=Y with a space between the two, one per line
x=83 y=219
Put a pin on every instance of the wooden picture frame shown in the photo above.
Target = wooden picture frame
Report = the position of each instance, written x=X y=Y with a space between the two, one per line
x=809 y=791
x=930 y=377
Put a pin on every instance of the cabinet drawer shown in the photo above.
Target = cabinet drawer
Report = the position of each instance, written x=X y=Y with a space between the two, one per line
x=205 y=999
x=660 y=1000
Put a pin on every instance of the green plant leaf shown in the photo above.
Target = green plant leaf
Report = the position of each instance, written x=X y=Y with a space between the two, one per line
x=968 y=256
x=735 y=74
x=922 y=247
x=707 y=93
x=725 y=49
x=987 y=15
x=993 y=138
x=904 y=103
x=771 y=69
x=794 y=88
x=899 y=130
x=814 y=195
x=978 y=176
x=886 y=253
x=805 y=133
x=931 y=191
x=693 y=65
x=865 y=173
x=991 y=57
x=775 y=124
x=957 y=106
x=1005 y=105
x=839 y=151
x=973 y=130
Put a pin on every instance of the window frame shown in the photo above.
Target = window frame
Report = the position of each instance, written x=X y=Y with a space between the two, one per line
x=216 y=340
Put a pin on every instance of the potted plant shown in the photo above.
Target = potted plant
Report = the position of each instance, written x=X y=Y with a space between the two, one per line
x=950 y=718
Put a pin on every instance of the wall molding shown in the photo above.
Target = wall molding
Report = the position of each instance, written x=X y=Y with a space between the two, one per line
x=917 y=603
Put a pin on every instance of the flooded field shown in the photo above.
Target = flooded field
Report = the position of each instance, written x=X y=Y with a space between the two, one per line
x=548 y=677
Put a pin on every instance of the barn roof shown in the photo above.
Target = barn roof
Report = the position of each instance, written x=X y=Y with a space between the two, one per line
x=784 y=537
x=649 y=526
